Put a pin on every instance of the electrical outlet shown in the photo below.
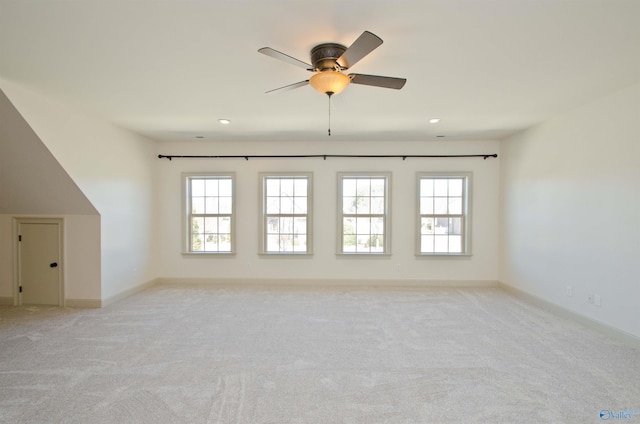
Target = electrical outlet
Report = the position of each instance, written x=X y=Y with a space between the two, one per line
x=590 y=299
x=569 y=291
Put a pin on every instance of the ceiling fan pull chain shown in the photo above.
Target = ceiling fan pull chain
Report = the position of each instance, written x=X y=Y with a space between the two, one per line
x=329 y=96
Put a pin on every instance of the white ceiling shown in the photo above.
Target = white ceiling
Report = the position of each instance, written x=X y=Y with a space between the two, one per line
x=169 y=69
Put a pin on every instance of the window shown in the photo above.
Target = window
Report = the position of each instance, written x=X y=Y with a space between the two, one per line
x=210 y=213
x=443 y=214
x=286 y=213
x=363 y=202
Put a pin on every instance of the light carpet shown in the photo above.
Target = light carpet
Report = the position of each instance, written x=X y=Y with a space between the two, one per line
x=196 y=354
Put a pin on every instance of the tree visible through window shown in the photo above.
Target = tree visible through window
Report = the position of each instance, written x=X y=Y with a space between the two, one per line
x=443 y=214
x=286 y=213
x=364 y=209
x=210 y=214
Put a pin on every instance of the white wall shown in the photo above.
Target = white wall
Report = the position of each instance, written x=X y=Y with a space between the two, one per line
x=571 y=208
x=81 y=257
x=114 y=169
x=324 y=265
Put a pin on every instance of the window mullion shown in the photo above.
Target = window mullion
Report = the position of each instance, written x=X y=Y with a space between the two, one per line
x=284 y=192
x=438 y=192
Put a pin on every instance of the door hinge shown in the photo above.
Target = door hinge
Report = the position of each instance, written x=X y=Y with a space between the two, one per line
x=19 y=238
x=20 y=289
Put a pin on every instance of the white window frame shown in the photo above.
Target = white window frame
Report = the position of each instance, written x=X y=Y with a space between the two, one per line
x=386 y=215
x=188 y=212
x=263 y=227
x=465 y=214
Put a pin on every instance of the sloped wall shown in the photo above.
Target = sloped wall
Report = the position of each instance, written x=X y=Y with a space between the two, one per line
x=32 y=183
x=113 y=169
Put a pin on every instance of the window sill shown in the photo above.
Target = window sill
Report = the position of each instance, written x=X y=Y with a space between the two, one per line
x=363 y=255
x=443 y=255
x=285 y=254
x=209 y=254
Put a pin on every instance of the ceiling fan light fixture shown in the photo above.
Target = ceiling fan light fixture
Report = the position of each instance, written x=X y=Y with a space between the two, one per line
x=329 y=82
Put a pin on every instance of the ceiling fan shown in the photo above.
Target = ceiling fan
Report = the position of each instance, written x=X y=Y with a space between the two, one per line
x=330 y=60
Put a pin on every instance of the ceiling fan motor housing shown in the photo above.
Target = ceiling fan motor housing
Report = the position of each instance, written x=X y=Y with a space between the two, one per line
x=325 y=56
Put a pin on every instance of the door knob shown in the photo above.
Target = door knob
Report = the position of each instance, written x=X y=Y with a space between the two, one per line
x=53 y=264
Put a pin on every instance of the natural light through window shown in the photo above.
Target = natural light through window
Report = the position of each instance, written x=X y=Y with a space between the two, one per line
x=443 y=214
x=364 y=213
x=286 y=213
x=210 y=214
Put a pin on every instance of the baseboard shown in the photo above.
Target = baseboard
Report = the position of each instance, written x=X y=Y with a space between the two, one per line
x=71 y=303
x=606 y=329
x=129 y=292
x=328 y=283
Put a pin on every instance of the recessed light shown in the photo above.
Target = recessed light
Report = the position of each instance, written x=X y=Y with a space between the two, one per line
x=434 y=120
x=224 y=121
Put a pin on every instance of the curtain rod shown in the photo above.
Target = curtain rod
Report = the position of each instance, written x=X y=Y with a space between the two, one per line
x=247 y=157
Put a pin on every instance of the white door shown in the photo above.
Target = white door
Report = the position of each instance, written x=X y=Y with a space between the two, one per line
x=39 y=263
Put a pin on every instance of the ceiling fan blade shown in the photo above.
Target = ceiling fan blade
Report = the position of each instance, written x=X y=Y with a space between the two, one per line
x=290 y=86
x=365 y=44
x=378 y=81
x=284 y=57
